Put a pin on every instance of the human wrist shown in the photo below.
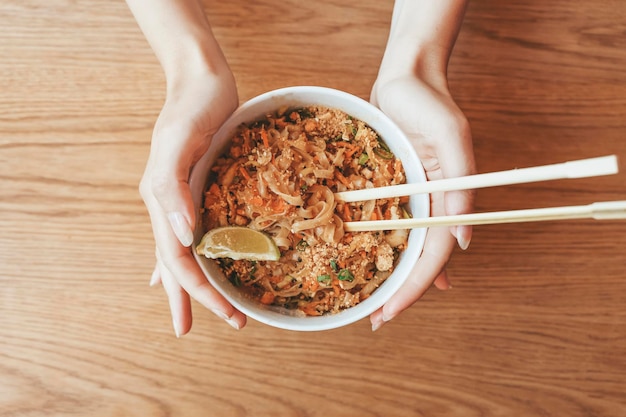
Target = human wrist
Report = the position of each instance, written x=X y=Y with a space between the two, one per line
x=196 y=62
x=421 y=39
x=191 y=55
x=408 y=58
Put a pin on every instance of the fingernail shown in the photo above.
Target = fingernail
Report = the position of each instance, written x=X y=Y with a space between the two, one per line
x=233 y=324
x=176 y=329
x=221 y=314
x=154 y=279
x=377 y=325
x=463 y=243
x=181 y=228
x=386 y=317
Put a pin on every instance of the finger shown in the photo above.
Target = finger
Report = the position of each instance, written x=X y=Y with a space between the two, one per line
x=376 y=319
x=437 y=250
x=456 y=159
x=180 y=305
x=442 y=281
x=460 y=202
x=155 y=278
x=180 y=263
x=175 y=148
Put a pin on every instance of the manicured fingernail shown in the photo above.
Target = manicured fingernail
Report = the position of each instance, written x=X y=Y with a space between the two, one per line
x=463 y=236
x=154 y=279
x=463 y=243
x=233 y=324
x=377 y=325
x=176 y=329
x=221 y=314
x=181 y=228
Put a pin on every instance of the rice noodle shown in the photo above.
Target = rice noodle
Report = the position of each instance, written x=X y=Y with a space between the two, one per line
x=279 y=176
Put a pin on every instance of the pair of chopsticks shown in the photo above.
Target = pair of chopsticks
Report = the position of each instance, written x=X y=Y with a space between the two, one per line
x=593 y=167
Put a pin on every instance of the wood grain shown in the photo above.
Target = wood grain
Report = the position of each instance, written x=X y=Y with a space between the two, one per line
x=535 y=323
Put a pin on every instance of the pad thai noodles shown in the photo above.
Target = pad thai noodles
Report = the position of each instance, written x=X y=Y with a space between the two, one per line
x=279 y=175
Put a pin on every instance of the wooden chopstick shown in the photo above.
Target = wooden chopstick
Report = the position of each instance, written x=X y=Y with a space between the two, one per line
x=599 y=211
x=592 y=167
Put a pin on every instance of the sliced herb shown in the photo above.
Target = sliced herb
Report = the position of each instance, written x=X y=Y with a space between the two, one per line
x=323 y=278
x=302 y=245
x=345 y=275
x=363 y=159
x=333 y=265
x=234 y=279
x=383 y=153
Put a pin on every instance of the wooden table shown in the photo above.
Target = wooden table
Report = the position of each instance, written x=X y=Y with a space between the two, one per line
x=536 y=321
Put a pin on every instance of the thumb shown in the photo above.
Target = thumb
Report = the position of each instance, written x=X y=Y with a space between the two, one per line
x=458 y=161
x=169 y=177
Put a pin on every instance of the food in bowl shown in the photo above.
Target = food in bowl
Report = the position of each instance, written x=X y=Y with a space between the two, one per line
x=278 y=175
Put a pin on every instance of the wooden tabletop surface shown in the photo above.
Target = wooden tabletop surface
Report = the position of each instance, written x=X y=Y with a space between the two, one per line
x=534 y=326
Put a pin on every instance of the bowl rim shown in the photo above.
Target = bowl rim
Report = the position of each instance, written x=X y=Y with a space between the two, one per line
x=311 y=95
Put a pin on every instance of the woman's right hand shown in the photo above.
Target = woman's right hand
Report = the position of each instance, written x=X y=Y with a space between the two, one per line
x=199 y=99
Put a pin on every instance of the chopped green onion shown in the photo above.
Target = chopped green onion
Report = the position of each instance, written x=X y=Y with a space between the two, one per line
x=333 y=265
x=383 y=153
x=383 y=145
x=363 y=159
x=302 y=245
x=323 y=278
x=345 y=275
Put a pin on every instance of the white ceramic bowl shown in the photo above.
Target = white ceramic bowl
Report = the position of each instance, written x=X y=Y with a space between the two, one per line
x=266 y=103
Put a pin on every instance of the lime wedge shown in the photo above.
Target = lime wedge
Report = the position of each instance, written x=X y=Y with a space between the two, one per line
x=238 y=243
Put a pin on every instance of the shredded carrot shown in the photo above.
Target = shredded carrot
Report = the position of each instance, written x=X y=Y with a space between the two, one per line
x=280 y=123
x=267 y=298
x=351 y=152
x=244 y=172
x=374 y=215
x=266 y=139
x=236 y=151
x=341 y=178
x=214 y=189
x=310 y=285
x=246 y=141
x=256 y=201
x=379 y=213
x=336 y=287
x=347 y=216
x=277 y=205
x=311 y=310
x=351 y=149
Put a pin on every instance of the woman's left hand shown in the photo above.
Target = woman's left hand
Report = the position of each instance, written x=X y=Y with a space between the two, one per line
x=441 y=135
